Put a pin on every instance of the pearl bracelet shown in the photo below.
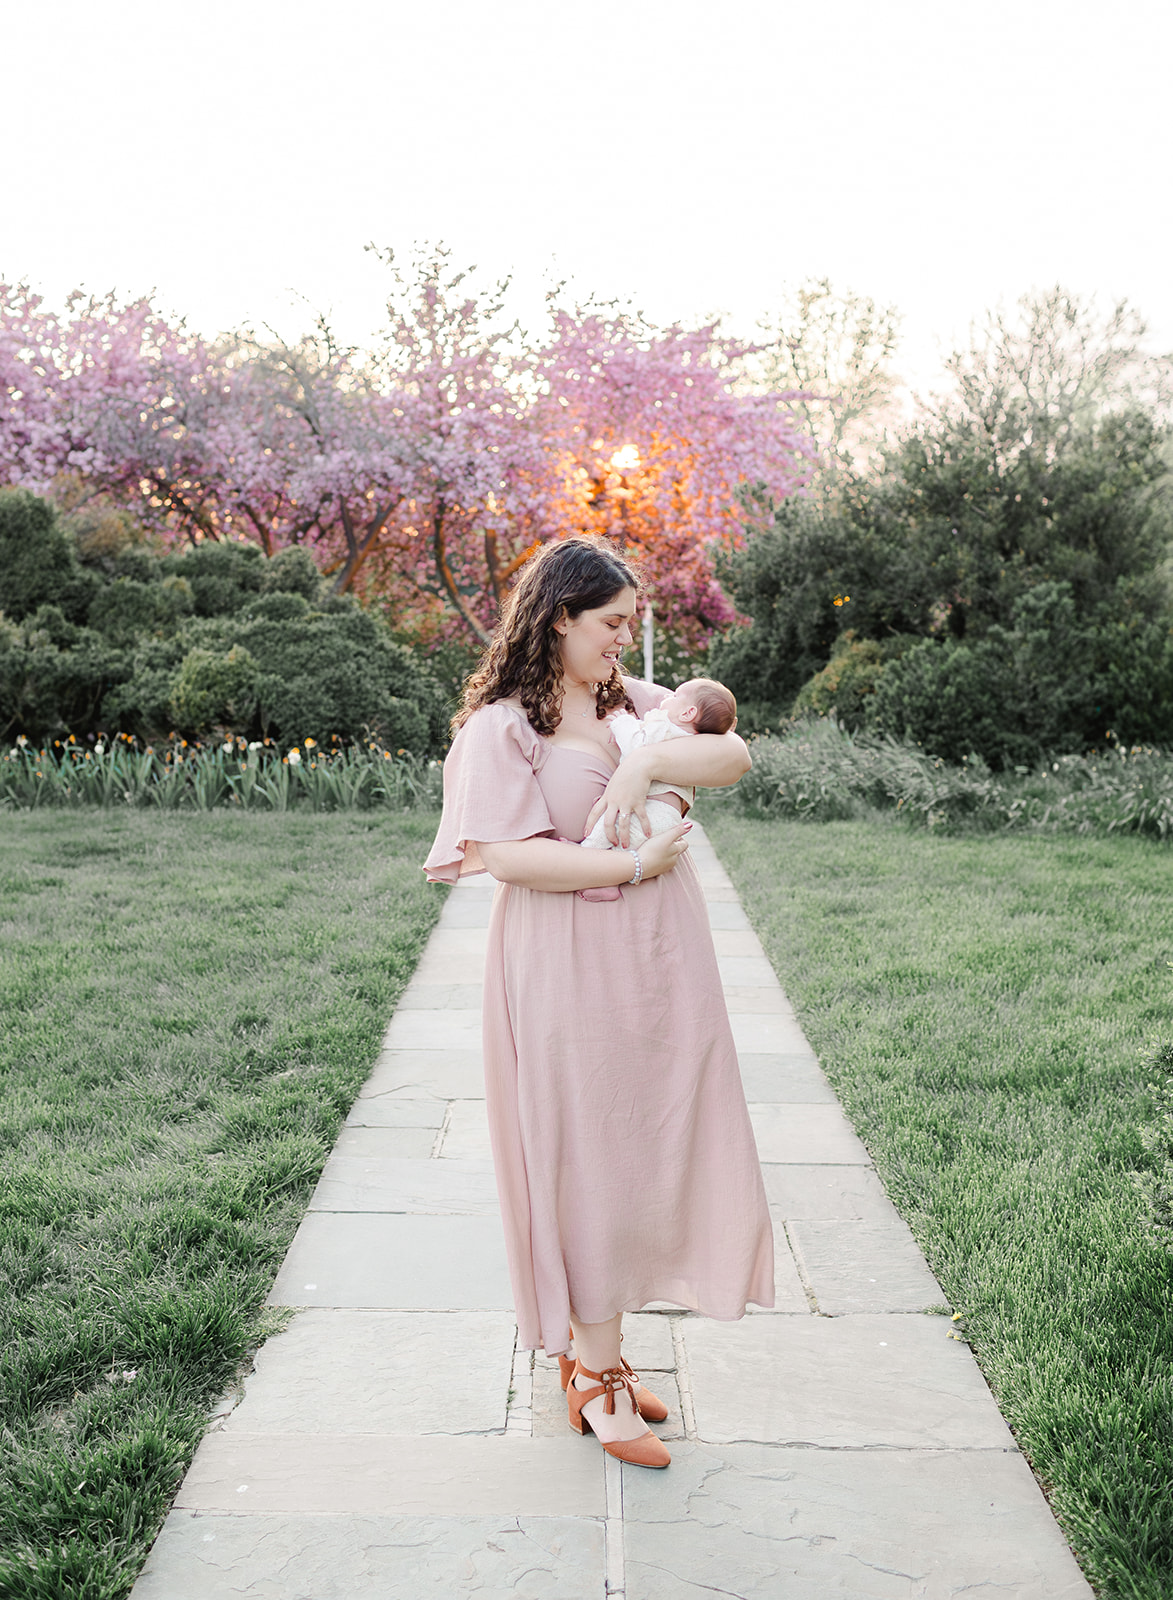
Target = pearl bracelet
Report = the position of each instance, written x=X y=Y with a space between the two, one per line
x=639 y=867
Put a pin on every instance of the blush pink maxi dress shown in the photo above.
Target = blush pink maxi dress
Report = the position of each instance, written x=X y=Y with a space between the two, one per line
x=624 y=1157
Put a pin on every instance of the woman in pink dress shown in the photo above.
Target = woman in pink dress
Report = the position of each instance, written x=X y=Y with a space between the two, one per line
x=623 y=1152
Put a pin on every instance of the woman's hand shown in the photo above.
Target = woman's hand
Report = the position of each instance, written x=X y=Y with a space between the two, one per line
x=624 y=798
x=662 y=851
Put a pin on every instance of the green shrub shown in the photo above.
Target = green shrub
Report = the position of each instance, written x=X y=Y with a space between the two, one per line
x=123 y=610
x=223 y=577
x=847 y=684
x=38 y=563
x=54 y=675
x=212 y=689
x=820 y=772
x=948 y=697
x=292 y=571
x=216 y=638
x=1049 y=684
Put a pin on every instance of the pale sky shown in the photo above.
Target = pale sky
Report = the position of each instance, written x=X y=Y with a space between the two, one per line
x=698 y=158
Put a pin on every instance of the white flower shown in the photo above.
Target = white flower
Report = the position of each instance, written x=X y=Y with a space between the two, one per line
x=255 y=745
x=99 y=748
x=294 y=757
x=22 y=741
x=229 y=747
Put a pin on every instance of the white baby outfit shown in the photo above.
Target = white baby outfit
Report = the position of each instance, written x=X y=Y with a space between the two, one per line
x=633 y=733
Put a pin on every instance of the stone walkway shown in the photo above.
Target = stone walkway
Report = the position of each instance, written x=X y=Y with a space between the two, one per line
x=393 y=1444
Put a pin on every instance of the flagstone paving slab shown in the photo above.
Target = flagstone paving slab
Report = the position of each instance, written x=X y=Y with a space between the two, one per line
x=346 y=1371
x=347 y=1557
x=436 y=1475
x=416 y=1073
x=828 y=1192
x=864 y=1266
x=840 y=1382
x=380 y=1142
x=745 y=969
x=789 y=1293
x=784 y=1079
x=468 y=911
x=736 y=942
x=368 y=1183
x=757 y=997
x=467 y=1133
x=807 y=1134
x=397 y=1113
x=727 y=914
x=458 y=944
x=439 y=996
x=767 y=1523
x=760 y=1033
x=427 y=1030
x=395 y=1262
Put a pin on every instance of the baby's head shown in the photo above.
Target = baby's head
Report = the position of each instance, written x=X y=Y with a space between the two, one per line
x=703 y=705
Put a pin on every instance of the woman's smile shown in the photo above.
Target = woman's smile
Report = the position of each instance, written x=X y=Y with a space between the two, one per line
x=594 y=641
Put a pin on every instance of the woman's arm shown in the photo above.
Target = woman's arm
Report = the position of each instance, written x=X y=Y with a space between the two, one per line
x=704 y=761
x=558 y=868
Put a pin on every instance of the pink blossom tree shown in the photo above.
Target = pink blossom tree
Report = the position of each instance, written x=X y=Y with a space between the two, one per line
x=421 y=475
x=653 y=441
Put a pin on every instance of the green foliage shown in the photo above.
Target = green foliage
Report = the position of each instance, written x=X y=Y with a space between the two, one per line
x=216 y=639
x=847 y=684
x=1034 y=578
x=247 y=776
x=1052 y=682
x=819 y=772
x=38 y=563
x=1155 y=1181
x=223 y=577
x=813 y=574
x=210 y=688
x=53 y=674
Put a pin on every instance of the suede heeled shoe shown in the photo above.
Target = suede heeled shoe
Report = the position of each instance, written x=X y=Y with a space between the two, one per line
x=646 y=1451
x=650 y=1407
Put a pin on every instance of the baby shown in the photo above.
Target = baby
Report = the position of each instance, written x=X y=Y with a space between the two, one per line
x=699 y=706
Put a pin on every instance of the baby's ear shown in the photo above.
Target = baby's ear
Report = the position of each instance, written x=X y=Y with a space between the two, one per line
x=690 y=713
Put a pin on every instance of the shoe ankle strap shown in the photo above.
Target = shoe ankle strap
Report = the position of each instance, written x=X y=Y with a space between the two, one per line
x=612 y=1379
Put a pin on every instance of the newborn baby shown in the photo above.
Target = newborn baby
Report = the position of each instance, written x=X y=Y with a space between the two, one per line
x=699 y=706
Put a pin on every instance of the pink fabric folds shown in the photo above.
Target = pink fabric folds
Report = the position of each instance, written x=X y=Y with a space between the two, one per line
x=491 y=790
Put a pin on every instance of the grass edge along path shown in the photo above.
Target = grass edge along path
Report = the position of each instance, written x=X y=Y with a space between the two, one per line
x=984 y=1008
x=191 y=1005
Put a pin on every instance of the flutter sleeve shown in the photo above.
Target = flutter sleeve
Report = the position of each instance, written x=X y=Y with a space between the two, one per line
x=491 y=791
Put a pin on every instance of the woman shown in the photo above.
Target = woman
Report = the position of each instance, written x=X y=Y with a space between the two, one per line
x=624 y=1156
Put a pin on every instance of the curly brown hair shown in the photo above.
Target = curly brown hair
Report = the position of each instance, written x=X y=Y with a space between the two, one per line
x=565 y=578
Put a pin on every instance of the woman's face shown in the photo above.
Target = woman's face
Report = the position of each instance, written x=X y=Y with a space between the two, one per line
x=592 y=641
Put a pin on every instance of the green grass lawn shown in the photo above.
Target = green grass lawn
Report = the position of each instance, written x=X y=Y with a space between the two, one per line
x=190 y=1006
x=984 y=1007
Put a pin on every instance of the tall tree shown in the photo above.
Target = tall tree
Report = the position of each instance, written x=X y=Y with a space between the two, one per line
x=835 y=351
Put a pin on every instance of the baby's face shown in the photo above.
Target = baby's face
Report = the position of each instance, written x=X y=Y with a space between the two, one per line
x=680 y=707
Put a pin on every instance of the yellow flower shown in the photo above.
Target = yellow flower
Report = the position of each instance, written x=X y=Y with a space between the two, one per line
x=310 y=744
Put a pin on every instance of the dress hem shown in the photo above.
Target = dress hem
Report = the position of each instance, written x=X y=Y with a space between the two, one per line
x=675 y=1306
